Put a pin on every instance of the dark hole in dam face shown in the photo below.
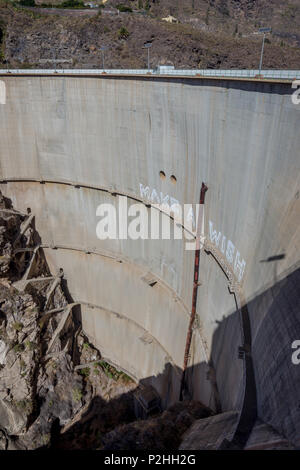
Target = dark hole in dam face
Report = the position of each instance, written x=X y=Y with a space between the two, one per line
x=107 y=359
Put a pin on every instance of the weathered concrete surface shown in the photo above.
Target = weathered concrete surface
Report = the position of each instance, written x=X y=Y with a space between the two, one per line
x=217 y=432
x=114 y=134
x=213 y=433
x=264 y=437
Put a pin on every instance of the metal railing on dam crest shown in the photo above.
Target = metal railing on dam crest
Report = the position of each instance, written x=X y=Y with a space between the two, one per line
x=169 y=71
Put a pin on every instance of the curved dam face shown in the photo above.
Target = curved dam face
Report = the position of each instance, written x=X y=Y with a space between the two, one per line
x=69 y=144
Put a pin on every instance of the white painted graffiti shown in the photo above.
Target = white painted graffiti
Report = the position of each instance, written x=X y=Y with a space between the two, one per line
x=156 y=197
x=225 y=246
x=165 y=202
x=228 y=249
x=118 y=223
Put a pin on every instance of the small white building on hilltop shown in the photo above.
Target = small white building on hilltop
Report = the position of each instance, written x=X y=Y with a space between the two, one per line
x=170 y=19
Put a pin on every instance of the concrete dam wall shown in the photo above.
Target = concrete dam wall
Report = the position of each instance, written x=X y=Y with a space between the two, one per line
x=71 y=143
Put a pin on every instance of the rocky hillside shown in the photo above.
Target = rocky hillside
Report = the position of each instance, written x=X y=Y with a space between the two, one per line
x=205 y=34
x=237 y=17
x=49 y=372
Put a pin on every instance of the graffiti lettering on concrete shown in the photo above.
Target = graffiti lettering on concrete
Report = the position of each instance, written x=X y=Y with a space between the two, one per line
x=168 y=204
x=157 y=197
x=228 y=249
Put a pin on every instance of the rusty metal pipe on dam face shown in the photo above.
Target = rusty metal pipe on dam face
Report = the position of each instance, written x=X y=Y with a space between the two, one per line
x=119 y=133
x=204 y=188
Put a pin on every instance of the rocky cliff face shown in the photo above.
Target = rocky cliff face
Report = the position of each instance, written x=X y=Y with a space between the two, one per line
x=49 y=373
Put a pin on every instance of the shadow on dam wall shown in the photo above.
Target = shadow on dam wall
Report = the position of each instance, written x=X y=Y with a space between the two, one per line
x=271 y=385
x=264 y=87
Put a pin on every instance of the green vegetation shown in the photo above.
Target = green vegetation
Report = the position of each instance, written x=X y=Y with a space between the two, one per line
x=123 y=8
x=77 y=394
x=42 y=322
x=46 y=438
x=18 y=326
x=18 y=348
x=53 y=364
x=30 y=345
x=27 y=3
x=123 y=33
x=207 y=16
x=72 y=4
x=85 y=371
x=66 y=4
x=25 y=405
x=112 y=373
